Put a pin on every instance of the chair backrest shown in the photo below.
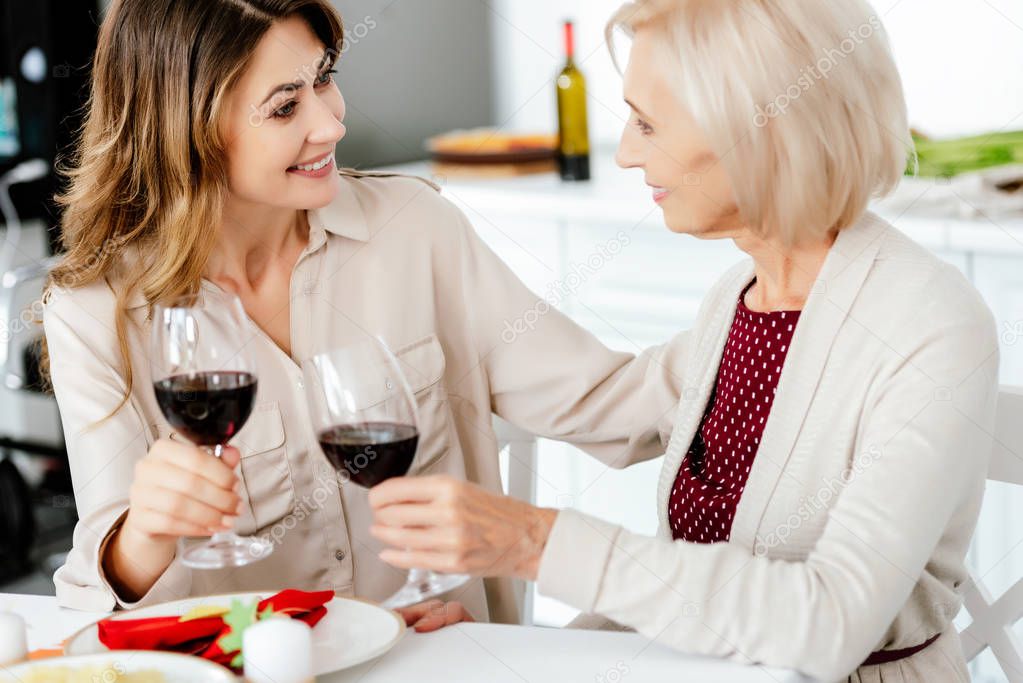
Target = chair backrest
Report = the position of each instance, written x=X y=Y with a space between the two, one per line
x=522 y=448
x=20 y=318
x=521 y=484
x=993 y=620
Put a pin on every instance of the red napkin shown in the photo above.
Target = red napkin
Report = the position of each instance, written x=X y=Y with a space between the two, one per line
x=200 y=636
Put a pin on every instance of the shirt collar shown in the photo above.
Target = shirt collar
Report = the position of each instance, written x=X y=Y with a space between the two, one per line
x=343 y=216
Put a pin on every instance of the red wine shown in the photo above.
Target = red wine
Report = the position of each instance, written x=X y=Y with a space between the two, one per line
x=208 y=408
x=370 y=452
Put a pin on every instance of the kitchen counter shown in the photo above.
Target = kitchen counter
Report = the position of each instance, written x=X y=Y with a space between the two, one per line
x=620 y=195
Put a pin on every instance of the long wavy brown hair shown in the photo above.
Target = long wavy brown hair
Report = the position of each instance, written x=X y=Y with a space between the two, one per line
x=148 y=171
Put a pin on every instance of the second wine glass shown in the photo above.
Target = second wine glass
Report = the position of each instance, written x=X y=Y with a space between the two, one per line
x=367 y=424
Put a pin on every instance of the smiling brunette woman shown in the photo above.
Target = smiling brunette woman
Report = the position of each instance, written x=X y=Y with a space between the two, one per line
x=826 y=469
x=206 y=168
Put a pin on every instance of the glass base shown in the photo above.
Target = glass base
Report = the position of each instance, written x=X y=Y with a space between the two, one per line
x=421 y=586
x=226 y=550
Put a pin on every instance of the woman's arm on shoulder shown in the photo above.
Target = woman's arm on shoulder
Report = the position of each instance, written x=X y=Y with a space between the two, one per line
x=553 y=378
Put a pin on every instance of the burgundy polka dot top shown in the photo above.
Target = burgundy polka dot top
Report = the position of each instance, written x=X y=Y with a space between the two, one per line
x=714 y=471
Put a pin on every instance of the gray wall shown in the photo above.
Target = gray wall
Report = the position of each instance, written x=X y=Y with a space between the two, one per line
x=423 y=69
x=412 y=68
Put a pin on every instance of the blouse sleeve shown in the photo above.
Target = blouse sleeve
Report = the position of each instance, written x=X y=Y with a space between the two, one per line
x=553 y=378
x=82 y=345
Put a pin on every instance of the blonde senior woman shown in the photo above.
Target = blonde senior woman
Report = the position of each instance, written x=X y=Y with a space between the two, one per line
x=826 y=465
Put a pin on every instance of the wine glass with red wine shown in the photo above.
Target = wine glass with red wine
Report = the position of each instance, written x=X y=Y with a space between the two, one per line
x=204 y=376
x=366 y=422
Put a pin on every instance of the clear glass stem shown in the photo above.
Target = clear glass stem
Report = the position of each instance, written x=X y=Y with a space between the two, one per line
x=422 y=585
x=220 y=537
x=417 y=577
x=224 y=548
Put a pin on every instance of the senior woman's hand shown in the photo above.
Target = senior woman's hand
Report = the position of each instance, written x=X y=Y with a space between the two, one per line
x=434 y=614
x=452 y=526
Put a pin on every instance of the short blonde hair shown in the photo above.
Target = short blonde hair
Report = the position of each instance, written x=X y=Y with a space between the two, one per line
x=801 y=101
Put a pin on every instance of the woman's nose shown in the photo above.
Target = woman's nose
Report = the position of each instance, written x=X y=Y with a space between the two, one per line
x=329 y=127
x=626 y=156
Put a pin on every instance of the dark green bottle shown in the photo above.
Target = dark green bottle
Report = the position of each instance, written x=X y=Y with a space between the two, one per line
x=573 y=128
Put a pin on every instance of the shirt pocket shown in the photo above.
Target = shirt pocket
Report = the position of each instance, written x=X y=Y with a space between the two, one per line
x=267 y=485
x=264 y=473
x=423 y=363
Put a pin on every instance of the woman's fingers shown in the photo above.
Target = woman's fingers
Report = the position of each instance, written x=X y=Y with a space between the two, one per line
x=180 y=490
x=441 y=615
x=434 y=614
x=443 y=538
x=184 y=508
x=193 y=459
x=411 y=514
x=231 y=456
x=155 y=523
x=416 y=612
x=195 y=485
x=466 y=529
x=412 y=490
x=445 y=562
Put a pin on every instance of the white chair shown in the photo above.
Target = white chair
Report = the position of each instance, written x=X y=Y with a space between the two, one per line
x=521 y=447
x=993 y=620
x=521 y=483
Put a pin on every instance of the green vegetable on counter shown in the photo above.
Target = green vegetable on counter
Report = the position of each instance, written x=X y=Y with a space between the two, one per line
x=947 y=158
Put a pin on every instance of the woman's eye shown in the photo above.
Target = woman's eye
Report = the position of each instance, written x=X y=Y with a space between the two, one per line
x=286 y=111
x=644 y=127
x=326 y=77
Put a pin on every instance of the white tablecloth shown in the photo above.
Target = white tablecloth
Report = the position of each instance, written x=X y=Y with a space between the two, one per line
x=476 y=652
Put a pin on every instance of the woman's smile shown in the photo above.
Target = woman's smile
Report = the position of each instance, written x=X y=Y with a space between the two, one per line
x=318 y=168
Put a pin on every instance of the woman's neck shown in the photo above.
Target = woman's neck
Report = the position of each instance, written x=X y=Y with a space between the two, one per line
x=252 y=239
x=784 y=275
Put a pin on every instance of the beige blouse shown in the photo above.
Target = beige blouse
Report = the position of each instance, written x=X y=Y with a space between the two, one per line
x=387 y=257
x=851 y=532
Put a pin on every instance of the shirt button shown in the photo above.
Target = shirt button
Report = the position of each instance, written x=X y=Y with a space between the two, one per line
x=340 y=555
x=301 y=385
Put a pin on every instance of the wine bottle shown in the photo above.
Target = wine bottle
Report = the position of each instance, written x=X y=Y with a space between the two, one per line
x=573 y=128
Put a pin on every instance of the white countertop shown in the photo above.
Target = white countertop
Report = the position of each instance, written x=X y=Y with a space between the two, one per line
x=476 y=652
x=620 y=196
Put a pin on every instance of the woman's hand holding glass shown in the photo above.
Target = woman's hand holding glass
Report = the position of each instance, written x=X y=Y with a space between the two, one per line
x=448 y=525
x=205 y=381
x=179 y=490
x=367 y=423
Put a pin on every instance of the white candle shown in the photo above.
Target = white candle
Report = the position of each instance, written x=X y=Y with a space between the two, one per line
x=13 y=643
x=278 y=650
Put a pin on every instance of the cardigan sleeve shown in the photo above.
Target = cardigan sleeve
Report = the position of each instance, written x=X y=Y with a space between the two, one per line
x=925 y=441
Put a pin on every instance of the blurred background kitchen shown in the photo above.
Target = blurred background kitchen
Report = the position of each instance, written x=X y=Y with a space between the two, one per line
x=465 y=91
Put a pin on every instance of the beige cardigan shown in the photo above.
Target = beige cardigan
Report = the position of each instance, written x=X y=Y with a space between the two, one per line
x=851 y=532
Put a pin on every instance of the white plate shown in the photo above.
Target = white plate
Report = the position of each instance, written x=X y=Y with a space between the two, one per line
x=352 y=631
x=174 y=667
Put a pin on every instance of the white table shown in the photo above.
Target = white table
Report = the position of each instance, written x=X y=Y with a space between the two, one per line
x=476 y=652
